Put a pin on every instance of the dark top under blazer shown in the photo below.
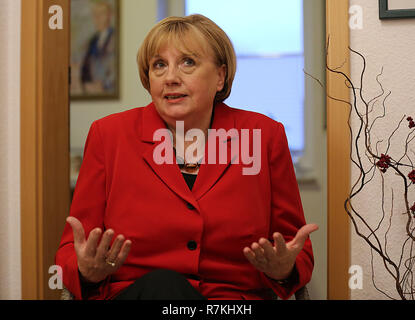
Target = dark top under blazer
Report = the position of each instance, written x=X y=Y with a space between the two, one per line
x=201 y=232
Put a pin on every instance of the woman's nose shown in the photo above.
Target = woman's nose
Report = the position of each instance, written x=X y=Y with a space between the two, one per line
x=172 y=75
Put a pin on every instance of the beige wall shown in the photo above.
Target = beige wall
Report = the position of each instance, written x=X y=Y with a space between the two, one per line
x=10 y=279
x=389 y=44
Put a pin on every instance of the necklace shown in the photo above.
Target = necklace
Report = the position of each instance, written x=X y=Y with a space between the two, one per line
x=191 y=166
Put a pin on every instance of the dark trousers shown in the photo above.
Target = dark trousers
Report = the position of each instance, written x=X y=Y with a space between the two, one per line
x=161 y=284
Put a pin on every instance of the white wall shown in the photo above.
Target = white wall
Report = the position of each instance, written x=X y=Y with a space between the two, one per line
x=389 y=44
x=10 y=277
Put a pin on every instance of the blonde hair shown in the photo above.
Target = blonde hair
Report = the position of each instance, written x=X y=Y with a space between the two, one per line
x=197 y=29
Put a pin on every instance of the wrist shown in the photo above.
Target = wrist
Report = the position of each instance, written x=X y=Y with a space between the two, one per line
x=280 y=275
x=286 y=278
x=86 y=281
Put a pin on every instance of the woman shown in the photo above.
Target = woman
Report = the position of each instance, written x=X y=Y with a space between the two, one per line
x=194 y=227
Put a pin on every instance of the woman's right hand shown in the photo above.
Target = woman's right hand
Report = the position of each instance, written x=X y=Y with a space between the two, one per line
x=98 y=261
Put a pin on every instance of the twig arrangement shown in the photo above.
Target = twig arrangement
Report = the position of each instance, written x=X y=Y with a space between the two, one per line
x=373 y=159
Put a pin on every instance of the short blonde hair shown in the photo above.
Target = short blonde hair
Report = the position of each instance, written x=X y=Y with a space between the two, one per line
x=186 y=32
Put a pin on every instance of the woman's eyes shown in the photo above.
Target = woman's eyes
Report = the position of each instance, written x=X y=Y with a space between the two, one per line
x=187 y=62
x=158 y=65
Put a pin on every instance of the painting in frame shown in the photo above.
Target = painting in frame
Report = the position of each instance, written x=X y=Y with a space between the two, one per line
x=396 y=9
x=95 y=49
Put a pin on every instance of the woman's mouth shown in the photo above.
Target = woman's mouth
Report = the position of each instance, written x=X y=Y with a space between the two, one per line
x=175 y=98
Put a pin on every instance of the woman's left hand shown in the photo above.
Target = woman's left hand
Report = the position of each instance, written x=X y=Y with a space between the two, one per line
x=278 y=261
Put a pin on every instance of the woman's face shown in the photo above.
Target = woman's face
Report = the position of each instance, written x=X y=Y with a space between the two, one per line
x=183 y=86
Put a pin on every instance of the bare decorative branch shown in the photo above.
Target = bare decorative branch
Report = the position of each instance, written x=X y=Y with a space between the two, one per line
x=381 y=164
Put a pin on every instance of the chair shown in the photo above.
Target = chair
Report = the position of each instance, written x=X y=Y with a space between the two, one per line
x=66 y=295
x=302 y=294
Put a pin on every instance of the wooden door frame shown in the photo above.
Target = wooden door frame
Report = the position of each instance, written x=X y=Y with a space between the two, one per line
x=45 y=193
x=44 y=142
x=338 y=151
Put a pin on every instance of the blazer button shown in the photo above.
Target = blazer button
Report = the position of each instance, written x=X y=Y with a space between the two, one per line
x=192 y=245
x=190 y=206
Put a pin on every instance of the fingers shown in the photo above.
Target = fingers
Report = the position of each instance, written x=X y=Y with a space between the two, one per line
x=115 y=249
x=104 y=245
x=259 y=253
x=263 y=254
x=263 y=251
x=303 y=234
x=125 y=250
x=77 y=229
x=92 y=242
x=118 y=251
x=268 y=249
x=279 y=243
x=250 y=255
x=256 y=256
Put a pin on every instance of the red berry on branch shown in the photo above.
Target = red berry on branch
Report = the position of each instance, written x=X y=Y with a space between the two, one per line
x=411 y=176
x=383 y=162
x=409 y=119
x=413 y=208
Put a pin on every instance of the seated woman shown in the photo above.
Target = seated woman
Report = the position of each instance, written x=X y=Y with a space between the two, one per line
x=167 y=204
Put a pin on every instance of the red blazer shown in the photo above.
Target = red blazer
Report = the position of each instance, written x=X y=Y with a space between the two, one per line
x=122 y=188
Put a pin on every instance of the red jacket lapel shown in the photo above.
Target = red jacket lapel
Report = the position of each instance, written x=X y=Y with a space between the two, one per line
x=169 y=173
x=208 y=174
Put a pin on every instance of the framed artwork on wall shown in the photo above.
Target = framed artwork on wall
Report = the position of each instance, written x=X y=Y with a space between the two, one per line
x=95 y=30
x=395 y=9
